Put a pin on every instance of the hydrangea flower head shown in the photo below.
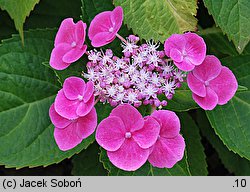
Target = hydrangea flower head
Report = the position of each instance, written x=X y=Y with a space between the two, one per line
x=186 y=50
x=212 y=83
x=76 y=98
x=69 y=133
x=144 y=74
x=127 y=137
x=69 y=44
x=169 y=147
x=104 y=27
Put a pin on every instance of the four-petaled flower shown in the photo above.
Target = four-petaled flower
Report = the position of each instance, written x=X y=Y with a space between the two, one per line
x=186 y=50
x=169 y=147
x=69 y=133
x=69 y=44
x=104 y=27
x=212 y=83
x=76 y=98
x=127 y=137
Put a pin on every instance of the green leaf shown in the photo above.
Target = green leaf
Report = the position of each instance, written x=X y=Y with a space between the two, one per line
x=87 y=162
x=181 y=101
x=159 y=19
x=218 y=44
x=27 y=89
x=18 y=11
x=180 y=169
x=233 y=18
x=195 y=151
x=240 y=65
x=231 y=123
x=233 y=162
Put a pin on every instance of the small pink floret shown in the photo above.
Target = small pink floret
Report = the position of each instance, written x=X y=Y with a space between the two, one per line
x=127 y=137
x=186 y=50
x=169 y=147
x=104 y=27
x=69 y=133
x=69 y=44
x=76 y=98
x=212 y=83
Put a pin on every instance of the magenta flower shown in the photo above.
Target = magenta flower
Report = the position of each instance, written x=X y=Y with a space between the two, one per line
x=169 y=147
x=70 y=133
x=75 y=99
x=104 y=27
x=69 y=44
x=212 y=83
x=127 y=137
x=186 y=50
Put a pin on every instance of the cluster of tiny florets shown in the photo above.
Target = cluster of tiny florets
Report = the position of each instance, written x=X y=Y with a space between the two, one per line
x=137 y=78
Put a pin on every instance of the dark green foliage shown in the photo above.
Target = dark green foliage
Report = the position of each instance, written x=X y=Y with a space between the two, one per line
x=28 y=85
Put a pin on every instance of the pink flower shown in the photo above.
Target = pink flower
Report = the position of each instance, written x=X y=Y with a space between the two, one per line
x=186 y=50
x=69 y=44
x=75 y=99
x=127 y=137
x=212 y=83
x=104 y=27
x=170 y=145
x=70 y=133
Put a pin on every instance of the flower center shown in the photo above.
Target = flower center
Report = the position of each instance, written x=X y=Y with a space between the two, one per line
x=111 y=29
x=206 y=83
x=184 y=53
x=80 y=97
x=73 y=44
x=127 y=135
